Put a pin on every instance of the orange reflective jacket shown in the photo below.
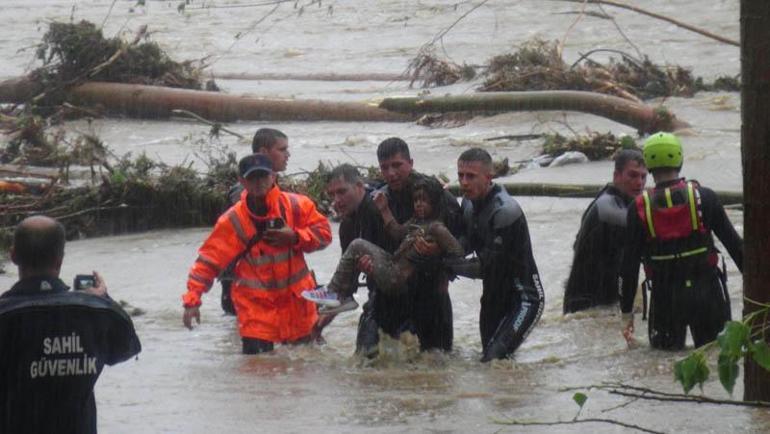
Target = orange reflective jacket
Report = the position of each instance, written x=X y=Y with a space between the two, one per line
x=268 y=280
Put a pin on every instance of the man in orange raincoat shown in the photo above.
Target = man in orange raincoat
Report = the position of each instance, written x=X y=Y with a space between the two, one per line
x=267 y=232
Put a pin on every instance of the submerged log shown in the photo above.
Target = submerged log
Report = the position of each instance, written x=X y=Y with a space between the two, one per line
x=642 y=117
x=16 y=170
x=372 y=76
x=160 y=102
x=580 y=191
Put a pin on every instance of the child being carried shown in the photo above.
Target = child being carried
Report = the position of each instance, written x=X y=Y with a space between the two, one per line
x=390 y=272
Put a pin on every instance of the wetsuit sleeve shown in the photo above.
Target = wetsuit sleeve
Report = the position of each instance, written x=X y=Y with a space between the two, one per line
x=632 y=256
x=716 y=219
x=221 y=247
x=313 y=229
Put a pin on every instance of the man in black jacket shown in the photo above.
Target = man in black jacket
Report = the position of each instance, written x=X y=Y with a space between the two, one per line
x=593 y=279
x=496 y=230
x=54 y=342
x=670 y=230
x=425 y=309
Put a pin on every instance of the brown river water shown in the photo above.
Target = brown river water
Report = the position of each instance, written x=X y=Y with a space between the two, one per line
x=198 y=381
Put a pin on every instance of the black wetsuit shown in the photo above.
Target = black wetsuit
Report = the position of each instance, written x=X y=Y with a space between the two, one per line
x=425 y=309
x=512 y=299
x=689 y=290
x=53 y=346
x=593 y=279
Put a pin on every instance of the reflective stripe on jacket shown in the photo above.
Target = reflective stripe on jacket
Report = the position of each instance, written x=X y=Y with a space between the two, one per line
x=268 y=280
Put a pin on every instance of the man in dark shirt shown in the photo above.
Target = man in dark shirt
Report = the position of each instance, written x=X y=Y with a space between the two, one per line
x=593 y=279
x=54 y=342
x=670 y=230
x=425 y=308
x=496 y=230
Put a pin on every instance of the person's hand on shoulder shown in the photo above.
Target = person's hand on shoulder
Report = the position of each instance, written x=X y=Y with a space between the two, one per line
x=191 y=313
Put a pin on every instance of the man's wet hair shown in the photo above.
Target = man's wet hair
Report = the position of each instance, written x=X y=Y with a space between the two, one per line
x=435 y=193
x=346 y=172
x=625 y=156
x=266 y=138
x=38 y=247
x=476 y=154
x=391 y=147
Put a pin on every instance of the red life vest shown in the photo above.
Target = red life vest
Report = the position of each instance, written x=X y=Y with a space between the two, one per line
x=674 y=226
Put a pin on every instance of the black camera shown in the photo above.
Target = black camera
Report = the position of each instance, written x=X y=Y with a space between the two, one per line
x=276 y=223
x=84 y=281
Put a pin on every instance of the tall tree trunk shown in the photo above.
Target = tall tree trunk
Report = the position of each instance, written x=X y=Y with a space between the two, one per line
x=755 y=149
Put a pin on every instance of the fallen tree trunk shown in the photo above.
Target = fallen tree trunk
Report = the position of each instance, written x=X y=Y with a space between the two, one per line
x=15 y=170
x=580 y=191
x=18 y=90
x=160 y=102
x=373 y=76
x=642 y=117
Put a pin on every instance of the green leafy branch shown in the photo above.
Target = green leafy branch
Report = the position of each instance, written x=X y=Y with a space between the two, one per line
x=737 y=340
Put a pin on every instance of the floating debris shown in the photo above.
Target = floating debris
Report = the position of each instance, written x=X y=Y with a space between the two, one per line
x=538 y=65
x=594 y=145
x=432 y=71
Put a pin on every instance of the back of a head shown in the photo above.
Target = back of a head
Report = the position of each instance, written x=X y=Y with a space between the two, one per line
x=625 y=156
x=38 y=243
x=476 y=154
x=391 y=147
x=346 y=172
x=662 y=151
x=266 y=138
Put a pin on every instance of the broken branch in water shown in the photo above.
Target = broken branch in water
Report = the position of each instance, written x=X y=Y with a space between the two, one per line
x=657 y=395
x=214 y=125
x=576 y=421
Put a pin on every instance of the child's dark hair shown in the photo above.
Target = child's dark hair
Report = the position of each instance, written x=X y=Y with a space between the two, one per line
x=435 y=193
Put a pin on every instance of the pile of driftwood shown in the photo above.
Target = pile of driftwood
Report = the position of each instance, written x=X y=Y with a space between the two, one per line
x=132 y=195
x=538 y=65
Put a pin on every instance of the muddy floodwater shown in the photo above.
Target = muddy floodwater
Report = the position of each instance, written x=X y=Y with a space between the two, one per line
x=198 y=382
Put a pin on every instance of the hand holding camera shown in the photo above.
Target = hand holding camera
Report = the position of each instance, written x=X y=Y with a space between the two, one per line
x=90 y=283
x=277 y=234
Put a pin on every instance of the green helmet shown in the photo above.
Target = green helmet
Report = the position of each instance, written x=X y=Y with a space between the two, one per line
x=662 y=150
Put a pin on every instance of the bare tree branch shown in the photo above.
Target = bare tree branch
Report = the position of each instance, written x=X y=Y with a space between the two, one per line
x=577 y=421
x=660 y=17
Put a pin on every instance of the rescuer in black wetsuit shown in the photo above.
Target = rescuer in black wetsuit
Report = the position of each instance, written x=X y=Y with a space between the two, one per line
x=670 y=230
x=54 y=342
x=593 y=279
x=496 y=229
